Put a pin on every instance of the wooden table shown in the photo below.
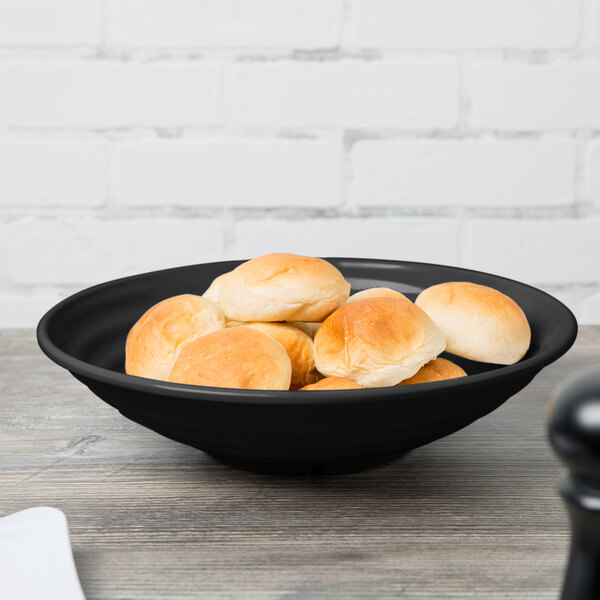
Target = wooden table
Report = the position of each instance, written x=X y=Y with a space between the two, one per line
x=475 y=515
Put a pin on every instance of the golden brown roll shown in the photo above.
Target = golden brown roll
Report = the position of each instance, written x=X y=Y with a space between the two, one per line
x=280 y=287
x=299 y=347
x=479 y=322
x=436 y=370
x=155 y=341
x=377 y=341
x=236 y=357
x=332 y=383
x=380 y=292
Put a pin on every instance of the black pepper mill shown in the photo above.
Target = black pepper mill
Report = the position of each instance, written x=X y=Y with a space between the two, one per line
x=574 y=428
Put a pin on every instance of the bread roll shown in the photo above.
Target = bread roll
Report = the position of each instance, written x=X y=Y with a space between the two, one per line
x=212 y=293
x=155 y=341
x=280 y=287
x=299 y=348
x=377 y=341
x=332 y=383
x=236 y=357
x=380 y=292
x=480 y=323
x=436 y=370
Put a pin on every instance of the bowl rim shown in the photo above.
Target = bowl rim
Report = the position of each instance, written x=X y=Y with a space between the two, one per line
x=193 y=392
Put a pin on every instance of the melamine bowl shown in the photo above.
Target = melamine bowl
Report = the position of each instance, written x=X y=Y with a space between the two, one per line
x=281 y=432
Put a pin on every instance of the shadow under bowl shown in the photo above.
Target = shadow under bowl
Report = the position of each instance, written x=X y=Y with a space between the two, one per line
x=281 y=432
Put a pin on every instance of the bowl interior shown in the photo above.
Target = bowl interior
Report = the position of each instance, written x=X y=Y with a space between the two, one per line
x=92 y=326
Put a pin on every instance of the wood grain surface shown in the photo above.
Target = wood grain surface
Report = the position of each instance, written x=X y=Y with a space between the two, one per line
x=475 y=515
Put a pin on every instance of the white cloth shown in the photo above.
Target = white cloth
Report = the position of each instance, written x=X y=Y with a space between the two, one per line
x=36 y=562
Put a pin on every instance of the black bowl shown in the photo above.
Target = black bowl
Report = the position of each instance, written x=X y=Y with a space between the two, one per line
x=324 y=432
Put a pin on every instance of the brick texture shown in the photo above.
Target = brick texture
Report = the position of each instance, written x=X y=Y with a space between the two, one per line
x=52 y=173
x=230 y=173
x=228 y=23
x=85 y=251
x=428 y=240
x=562 y=95
x=590 y=310
x=109 y=94
x=537 y=251
x=461 y=24
x=19 y=310
x=142 y=134
x=464 y=173
x=347 y=93
x=593 y=173
x=57 y=23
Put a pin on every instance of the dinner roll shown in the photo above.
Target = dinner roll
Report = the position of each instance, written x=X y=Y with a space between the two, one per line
x=155 y=341
x=280 y=287
x=435 y=370
x=236 y=357
x=380 y=292
x=299 y=348
x=377 y=341
x=212 y=293
x=479 y=323
x=332 y=383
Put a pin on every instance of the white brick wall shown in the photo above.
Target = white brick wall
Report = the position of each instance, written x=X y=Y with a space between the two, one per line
x=464 y=172
x=536 y=97
x=105 y=94
x=141 y=134
x=52 y=173
x=25 y=309
x=546 y=251
x=73 y=251
x=590 y=310
x=228 y=23
x=427 y=240
x=462 y=24
x=234 y=172
x=56 y=23
x=593 y=175
x=346 y=93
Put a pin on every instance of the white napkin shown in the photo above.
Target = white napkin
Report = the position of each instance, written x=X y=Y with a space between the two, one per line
x=36 y=562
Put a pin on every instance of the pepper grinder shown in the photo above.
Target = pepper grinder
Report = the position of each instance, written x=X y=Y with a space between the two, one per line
x=574 y=429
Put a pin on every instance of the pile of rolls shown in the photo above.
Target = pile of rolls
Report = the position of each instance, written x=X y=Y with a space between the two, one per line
x=284 y=321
